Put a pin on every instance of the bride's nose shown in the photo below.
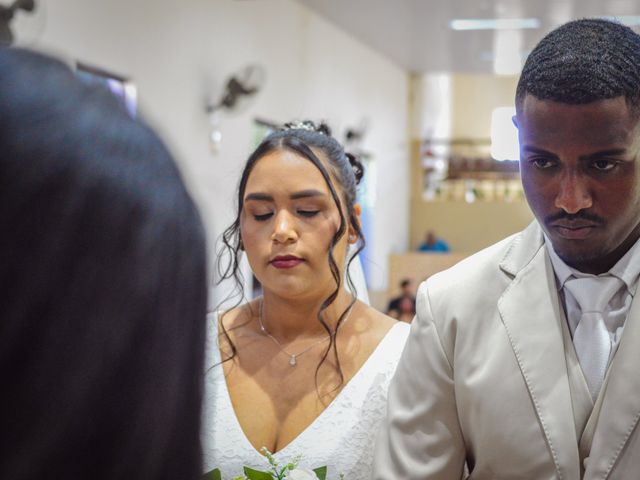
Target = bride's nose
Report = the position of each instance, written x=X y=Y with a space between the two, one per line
x=284 y=229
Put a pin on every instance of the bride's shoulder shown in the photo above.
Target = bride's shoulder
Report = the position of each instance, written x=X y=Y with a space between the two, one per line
x=226 y=325
x=377 y=324
x=235 y=317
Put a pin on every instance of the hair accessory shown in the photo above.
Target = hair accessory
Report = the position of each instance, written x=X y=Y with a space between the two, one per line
x=356 y=166
x=302 y=125
x=293 y=356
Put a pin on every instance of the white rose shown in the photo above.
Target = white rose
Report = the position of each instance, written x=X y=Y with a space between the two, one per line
x=301 y=474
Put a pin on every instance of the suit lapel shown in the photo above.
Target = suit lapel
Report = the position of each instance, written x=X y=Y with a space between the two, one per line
x=621 y=402
x=530 y=312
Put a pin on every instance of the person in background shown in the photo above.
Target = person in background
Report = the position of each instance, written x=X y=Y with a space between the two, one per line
x=403 y=307
x=433 y=244
x=303 y=370
x=103 y=280
x=523 y=358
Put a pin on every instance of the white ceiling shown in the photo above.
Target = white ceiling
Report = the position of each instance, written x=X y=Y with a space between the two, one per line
x=415 y=34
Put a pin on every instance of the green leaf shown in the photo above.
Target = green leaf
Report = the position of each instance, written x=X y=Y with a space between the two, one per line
x=213 y=475
x=321 y=472
x=257 y=474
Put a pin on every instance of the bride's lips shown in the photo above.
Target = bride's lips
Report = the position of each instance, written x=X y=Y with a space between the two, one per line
x=286 y=261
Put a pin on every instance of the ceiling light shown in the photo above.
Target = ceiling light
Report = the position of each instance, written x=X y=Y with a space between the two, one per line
x=628 y=20
x=494 y=23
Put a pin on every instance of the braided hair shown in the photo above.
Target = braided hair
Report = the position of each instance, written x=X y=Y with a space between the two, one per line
x=584 y=61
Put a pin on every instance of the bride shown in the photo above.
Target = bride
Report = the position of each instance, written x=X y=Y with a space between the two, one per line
x=304 y=370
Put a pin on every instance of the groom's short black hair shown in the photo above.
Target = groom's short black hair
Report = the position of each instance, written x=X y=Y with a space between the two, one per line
x=584 y=61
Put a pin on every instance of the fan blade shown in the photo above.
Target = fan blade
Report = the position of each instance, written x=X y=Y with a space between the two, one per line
x=26 y=5
x=6 y=36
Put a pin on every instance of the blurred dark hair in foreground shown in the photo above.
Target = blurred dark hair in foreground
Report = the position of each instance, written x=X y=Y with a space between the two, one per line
x=103 y=287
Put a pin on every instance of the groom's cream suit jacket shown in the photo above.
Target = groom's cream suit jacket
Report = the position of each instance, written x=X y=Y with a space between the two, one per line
x=489 y=377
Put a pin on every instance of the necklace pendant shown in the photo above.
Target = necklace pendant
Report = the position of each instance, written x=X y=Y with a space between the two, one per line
x=292 y=361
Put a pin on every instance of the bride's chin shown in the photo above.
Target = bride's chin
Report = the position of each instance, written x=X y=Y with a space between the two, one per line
x=296 y=291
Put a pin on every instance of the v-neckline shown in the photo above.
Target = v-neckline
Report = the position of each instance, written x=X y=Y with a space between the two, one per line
x=303 y=432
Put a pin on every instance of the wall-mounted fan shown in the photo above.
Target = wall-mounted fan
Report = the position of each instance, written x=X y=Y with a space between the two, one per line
x=21 y=21
x=239 y=92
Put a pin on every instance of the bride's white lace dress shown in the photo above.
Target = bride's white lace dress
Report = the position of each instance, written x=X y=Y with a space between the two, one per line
x=342 y=437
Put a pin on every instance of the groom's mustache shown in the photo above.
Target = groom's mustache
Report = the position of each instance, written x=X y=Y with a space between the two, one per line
x=574 y=217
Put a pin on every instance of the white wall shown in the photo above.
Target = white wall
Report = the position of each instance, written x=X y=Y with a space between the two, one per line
x=177 y=52
x=431 y=106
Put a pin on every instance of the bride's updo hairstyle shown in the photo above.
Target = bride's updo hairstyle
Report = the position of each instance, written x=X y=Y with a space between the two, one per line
x=302 y=138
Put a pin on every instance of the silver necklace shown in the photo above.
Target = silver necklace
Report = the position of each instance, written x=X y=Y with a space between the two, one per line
x=293 y=356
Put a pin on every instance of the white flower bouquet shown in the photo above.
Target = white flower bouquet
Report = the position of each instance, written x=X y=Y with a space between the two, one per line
x=290 y=471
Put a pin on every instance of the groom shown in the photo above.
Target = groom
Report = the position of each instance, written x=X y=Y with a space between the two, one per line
x=524 y=359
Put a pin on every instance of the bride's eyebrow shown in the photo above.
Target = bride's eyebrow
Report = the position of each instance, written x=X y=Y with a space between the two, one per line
x=262 y=197
x=307 y=194
x=265 y=197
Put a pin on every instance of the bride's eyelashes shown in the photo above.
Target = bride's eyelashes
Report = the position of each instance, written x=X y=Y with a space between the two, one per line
x=308 y=213
x=263 y=217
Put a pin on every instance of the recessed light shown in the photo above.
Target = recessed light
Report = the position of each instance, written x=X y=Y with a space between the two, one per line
x=494 y=23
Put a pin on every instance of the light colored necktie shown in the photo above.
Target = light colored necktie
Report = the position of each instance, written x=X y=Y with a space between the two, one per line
x=591 y=338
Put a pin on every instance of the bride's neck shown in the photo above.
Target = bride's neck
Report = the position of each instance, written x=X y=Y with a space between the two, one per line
x=290 y=319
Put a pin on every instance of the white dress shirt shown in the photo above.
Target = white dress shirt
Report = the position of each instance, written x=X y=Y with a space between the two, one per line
x=627 y=269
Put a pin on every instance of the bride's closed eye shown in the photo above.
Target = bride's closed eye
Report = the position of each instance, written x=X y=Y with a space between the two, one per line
x=263 y=216
x=308 y=213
